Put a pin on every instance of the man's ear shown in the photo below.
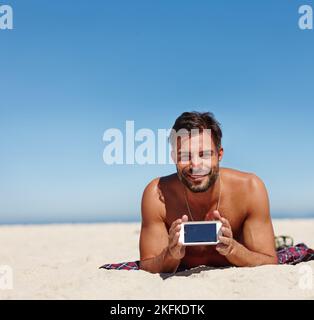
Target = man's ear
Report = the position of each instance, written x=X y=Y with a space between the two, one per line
x=220 y=153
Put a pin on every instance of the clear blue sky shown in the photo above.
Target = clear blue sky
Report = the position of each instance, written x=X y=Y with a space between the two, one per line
x=72 y=69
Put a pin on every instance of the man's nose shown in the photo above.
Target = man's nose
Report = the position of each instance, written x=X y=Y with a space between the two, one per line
x=196 y=162
x=197 y=165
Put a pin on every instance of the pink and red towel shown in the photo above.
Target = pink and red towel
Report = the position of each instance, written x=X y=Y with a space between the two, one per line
x=289 y=255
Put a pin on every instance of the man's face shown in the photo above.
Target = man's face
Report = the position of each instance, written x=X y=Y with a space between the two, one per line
x=198 y=161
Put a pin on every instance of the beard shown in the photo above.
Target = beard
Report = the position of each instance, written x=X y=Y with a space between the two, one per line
x=207 y=182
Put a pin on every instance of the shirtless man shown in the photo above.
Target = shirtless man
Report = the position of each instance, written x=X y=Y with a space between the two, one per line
x=201 y=190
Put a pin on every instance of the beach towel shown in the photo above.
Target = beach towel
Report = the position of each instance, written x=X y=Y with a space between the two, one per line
x=295 y=254
x=286 y=255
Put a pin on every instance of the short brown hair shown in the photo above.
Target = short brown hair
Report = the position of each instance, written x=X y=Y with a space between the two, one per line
x=198 y=120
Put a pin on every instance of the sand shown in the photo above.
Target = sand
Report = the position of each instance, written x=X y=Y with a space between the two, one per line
x=61 y=262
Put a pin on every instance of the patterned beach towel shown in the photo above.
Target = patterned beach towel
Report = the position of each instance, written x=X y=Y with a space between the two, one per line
x=295 y=254
x=287 y=255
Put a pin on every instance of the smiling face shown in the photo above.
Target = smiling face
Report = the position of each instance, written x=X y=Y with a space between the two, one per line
x=197 y=161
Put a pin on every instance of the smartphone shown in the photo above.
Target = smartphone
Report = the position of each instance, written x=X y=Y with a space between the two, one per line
x=200 y=233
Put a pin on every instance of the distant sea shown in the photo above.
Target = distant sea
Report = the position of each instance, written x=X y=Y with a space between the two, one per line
x=121 y=219
x=292 y=215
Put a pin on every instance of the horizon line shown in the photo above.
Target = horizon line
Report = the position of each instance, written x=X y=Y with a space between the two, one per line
x=125 y=219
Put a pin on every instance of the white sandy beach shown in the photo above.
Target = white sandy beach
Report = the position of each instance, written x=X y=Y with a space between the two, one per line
x=61 y=262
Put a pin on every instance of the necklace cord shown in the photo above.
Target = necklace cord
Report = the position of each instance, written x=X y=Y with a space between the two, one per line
x=187 y=203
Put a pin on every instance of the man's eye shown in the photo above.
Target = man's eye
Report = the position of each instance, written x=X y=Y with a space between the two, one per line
x=205 y=155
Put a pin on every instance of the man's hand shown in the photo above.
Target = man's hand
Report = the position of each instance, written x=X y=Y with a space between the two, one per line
x=226 y=242
x=175 y=248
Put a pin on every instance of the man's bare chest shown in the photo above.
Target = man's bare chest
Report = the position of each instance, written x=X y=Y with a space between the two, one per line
x=233 y=211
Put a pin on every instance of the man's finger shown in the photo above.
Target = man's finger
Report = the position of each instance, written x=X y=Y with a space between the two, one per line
x=174 y=240
x=225 y=240
x=177 y=228
x=221 y=246
x=226 y=222
x=185 y=218
x=226 y=232
x=174 y=224
x=222 y=249
x=217 y=215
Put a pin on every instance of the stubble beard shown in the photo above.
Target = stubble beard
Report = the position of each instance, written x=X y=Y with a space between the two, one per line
x=208 y=182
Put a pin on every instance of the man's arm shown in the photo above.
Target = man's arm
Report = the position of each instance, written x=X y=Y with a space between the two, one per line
x=258 y=235
x=154 y=239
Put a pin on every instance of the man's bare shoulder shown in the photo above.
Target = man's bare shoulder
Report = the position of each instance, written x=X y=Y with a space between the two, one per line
x=154 y=194
x=249 y=188
x=241 y=180
x=154 y=187
x=151 y=191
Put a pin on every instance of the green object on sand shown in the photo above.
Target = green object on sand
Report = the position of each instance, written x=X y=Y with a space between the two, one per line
x=283 y=242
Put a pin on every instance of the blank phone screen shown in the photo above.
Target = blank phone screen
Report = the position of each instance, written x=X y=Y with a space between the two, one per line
x=200 y=233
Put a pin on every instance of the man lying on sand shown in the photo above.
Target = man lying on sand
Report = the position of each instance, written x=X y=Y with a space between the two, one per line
x=201 y=190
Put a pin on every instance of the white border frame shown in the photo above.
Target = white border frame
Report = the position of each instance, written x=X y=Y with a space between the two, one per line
x=218 y=232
